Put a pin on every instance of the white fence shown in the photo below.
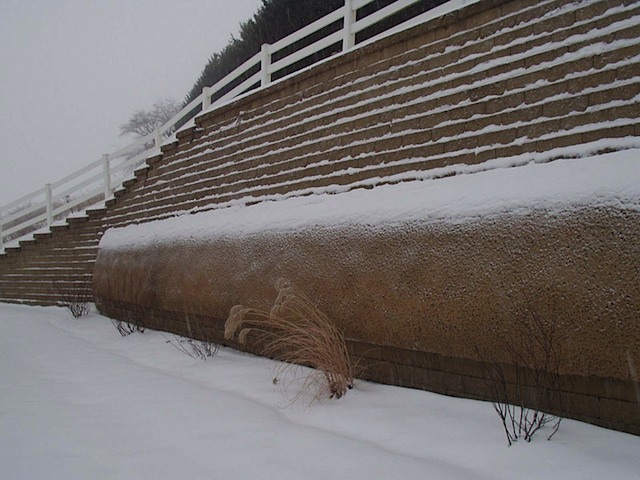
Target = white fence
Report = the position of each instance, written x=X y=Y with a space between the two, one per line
x=95 y=183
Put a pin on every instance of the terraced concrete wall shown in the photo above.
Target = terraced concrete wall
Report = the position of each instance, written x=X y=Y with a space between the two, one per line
x=501 y=83
x=425 y=304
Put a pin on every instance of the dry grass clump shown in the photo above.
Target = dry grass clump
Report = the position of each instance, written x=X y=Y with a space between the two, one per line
x=296 y=332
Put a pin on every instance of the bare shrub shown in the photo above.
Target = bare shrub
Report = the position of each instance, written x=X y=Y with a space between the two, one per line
x=297 y=333
x=127 y=328
x=200 y=348
x=121 y=296
x=523 y=398
x=76 y=299
x=196 y=349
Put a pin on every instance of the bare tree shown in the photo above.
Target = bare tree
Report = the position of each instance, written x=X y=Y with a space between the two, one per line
x=144 y=122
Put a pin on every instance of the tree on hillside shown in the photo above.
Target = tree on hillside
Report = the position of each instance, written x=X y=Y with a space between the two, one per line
x=144 y=122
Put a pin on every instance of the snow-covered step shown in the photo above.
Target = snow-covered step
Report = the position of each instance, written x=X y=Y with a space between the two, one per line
x=200 y=173
x=335 y=103
x=326 y=92
x=430 y=143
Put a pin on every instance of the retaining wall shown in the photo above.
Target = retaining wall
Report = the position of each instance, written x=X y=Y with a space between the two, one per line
x=498 y=84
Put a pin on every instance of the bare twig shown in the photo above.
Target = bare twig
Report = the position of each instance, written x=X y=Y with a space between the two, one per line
x=77 y=299
x=200 y=348
x=536 y=357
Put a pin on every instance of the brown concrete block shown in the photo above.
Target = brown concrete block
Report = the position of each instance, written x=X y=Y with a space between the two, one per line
x=557 y=142
x=556 y=23
x=619 y=411
x=483 y=17
x=541 y=93
x=536 y=130
x=493 y=89
x=613 y=56
x=527 y=114
x=616 y=132
x=631 y=112
x=480 y=123
x=430 y=120
x=628 y=71
x=585 y=13
x=411 y=377
x=461 y=366
x=401 y=356
x=522 y=11
x=545 y=57
x=617 y=389
x=597 y=79
x=504 y=102
x=426 y=360
x=606 y=96
x=382 y=372
x=451 y=131
x=484 y=155
x=631 y=33
x=456 y=145
x=633 y=429
x=502 y=137
x=580 y=405
x=563 y=108
x=447 y=383
x=507 y=37
x=366 y=350
x=477 y=388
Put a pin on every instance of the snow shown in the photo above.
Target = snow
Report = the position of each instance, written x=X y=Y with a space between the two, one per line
x=476 y=191
x=78 y=401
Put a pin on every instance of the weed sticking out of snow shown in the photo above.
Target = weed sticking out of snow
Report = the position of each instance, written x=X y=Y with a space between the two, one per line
x=75 y=299
x=197 y=348
x=126 y=328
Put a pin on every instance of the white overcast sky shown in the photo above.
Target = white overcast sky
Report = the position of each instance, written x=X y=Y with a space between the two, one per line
x=72 y=71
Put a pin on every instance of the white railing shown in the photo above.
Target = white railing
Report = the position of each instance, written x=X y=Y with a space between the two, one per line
x=94 y=183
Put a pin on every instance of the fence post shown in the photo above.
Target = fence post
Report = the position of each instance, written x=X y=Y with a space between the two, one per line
x=48 y=198
x=106 y=175
x=349 y=38
x=158 y=138
x=1 y=237
x=265 y=63
x=206 y=99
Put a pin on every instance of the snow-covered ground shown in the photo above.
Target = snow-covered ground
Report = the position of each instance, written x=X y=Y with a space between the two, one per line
x=77 y=401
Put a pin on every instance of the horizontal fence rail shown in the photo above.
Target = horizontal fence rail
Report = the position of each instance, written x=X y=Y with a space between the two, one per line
x=96 y=182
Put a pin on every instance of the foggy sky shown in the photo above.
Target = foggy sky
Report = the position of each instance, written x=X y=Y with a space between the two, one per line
x=73 y=71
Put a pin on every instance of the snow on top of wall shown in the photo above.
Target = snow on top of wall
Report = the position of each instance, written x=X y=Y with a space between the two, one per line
x=611 y=179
